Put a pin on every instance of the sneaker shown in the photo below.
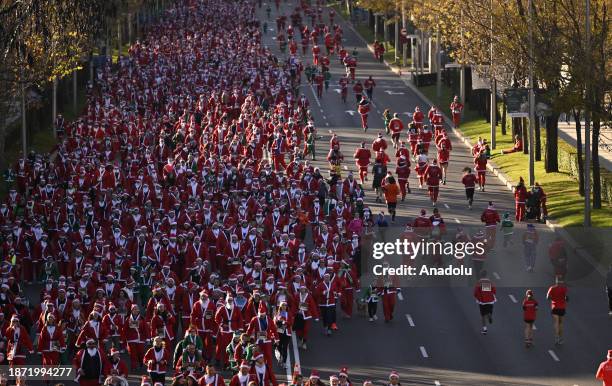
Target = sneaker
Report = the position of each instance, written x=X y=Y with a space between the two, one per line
x=434 y=204
x=409 y=191
x=371 y=319
x=420 y=186
x=484 y=331
x=444 y=181
x=375 y=317
x=610 y=313
x=483 y=189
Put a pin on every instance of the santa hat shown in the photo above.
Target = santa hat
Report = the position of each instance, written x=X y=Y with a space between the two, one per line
x=263 y=310
x=343 y=372
x=114 y=351
x=333 y=377
x=258 y=356
x=245 y=364
x=393 y=374
x=609 y=354
x=145 y=381
x=314 y=374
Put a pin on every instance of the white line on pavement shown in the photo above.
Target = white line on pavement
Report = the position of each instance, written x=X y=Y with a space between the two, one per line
x=296 y=352
x=512 y=298
x=410 y=321
x=457 y=221
x=534 y=327
x=321 y=110
x=326 y=123
x=424 y=352
x=324 y=117
x=288 y=367
x=446 y=206
x=497 y=277
x=315 y=96
x=554 y=356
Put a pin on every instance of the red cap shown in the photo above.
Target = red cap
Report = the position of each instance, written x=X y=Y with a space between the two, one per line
x=262 y=308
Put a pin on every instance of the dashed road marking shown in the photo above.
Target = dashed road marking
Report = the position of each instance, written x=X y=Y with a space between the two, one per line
x=410 y=321
x=446 y=206
x=315 y=96
x=424 y=352
x=457 y=221
x=554 y=356
x=497 y=277
x=326 y=123
x=321 y=110
x=324 y=117
x=512 y=298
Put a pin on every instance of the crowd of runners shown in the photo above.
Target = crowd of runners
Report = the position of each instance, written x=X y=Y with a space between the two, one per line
x=179 y=229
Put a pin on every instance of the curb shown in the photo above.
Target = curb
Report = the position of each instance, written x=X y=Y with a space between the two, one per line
x=551 y=224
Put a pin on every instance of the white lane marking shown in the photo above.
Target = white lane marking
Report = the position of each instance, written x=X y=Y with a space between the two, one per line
x=534 y=327
x=350 y=112
x=324 y=117
x=296 y=352
x=496 y=275
x=321 y=110
x=424 y=352
x=315 y=96
x=410 y=321
x=437 y=383
x=288 y=367
x=512 y=298
x=446 y=206
x=554 y=356
x=393 y=92
x=326 y=123
x=457 y=221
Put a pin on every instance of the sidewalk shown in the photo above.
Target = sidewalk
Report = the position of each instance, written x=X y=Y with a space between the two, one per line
x=567 y=132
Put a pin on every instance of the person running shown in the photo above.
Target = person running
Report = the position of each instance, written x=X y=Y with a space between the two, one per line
x=456 y=108
x=358 y=90
x=433 y=175
x=469 y=183
x=557 y=294
x=362 y=160
x=403 y=173
x=484 y=293
x=480 y=165
x=421 y=166
x=364 y=110
x=530 y=308
x=343 y=82
x=395 y=126
x=443 y=158
x=379 y=171
x=604 y=371
x=369 y=85
x=371 y=297
x=391 y=191
x=387 y=116
x=507 y=227
x=530 y=245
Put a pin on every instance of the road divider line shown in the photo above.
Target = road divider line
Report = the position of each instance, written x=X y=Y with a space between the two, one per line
x=324 y=117
x=315 y=96
x=512 y=298
x=424 y=352
x=321 y=110
x=296 y=352
x=457 y=221
x=446 y=206
x=496 y=275
x=326 y=123
x=410 y=321
x=554 y=356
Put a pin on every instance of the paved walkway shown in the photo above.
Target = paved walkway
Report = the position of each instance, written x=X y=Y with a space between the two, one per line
x=567 y=132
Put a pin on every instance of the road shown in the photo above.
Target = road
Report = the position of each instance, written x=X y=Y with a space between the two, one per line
x=435 y=336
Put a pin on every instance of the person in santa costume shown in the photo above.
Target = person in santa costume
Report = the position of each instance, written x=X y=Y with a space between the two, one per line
x=203 y=318
x=456 y=108
x=157 y=360
x=263 y=372
x=211 y=377
x=263 y=330
x=89 y=364
x=114 y=366
x=363 y=109
x=51 y=342
x=229 y=319
x=394 y=379
x=305 y=311
x=135 y=334
x=243 y=377
x=283 y=319
x=328 y=291
x=362 y=160
x=18 y=343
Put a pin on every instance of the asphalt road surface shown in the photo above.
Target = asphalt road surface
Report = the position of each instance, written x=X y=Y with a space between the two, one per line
x=435 y=337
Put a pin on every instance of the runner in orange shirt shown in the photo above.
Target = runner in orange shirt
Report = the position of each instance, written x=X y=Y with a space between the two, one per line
x=391 y=191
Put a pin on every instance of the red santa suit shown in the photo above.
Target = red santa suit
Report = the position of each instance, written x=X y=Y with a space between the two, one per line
x=262 y=327
x=50 y=343
x=203 y=317
x=135 y=334
x=19 y=345
x=362 y=160
x=433 y=175
x=228 y=320
x=456 y=108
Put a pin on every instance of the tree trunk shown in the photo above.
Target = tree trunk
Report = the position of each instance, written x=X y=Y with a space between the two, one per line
x=579 y=155
x=503 y=119
x=551 y=158
x=538 y=140
x=595 y=160
x=524 y=133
